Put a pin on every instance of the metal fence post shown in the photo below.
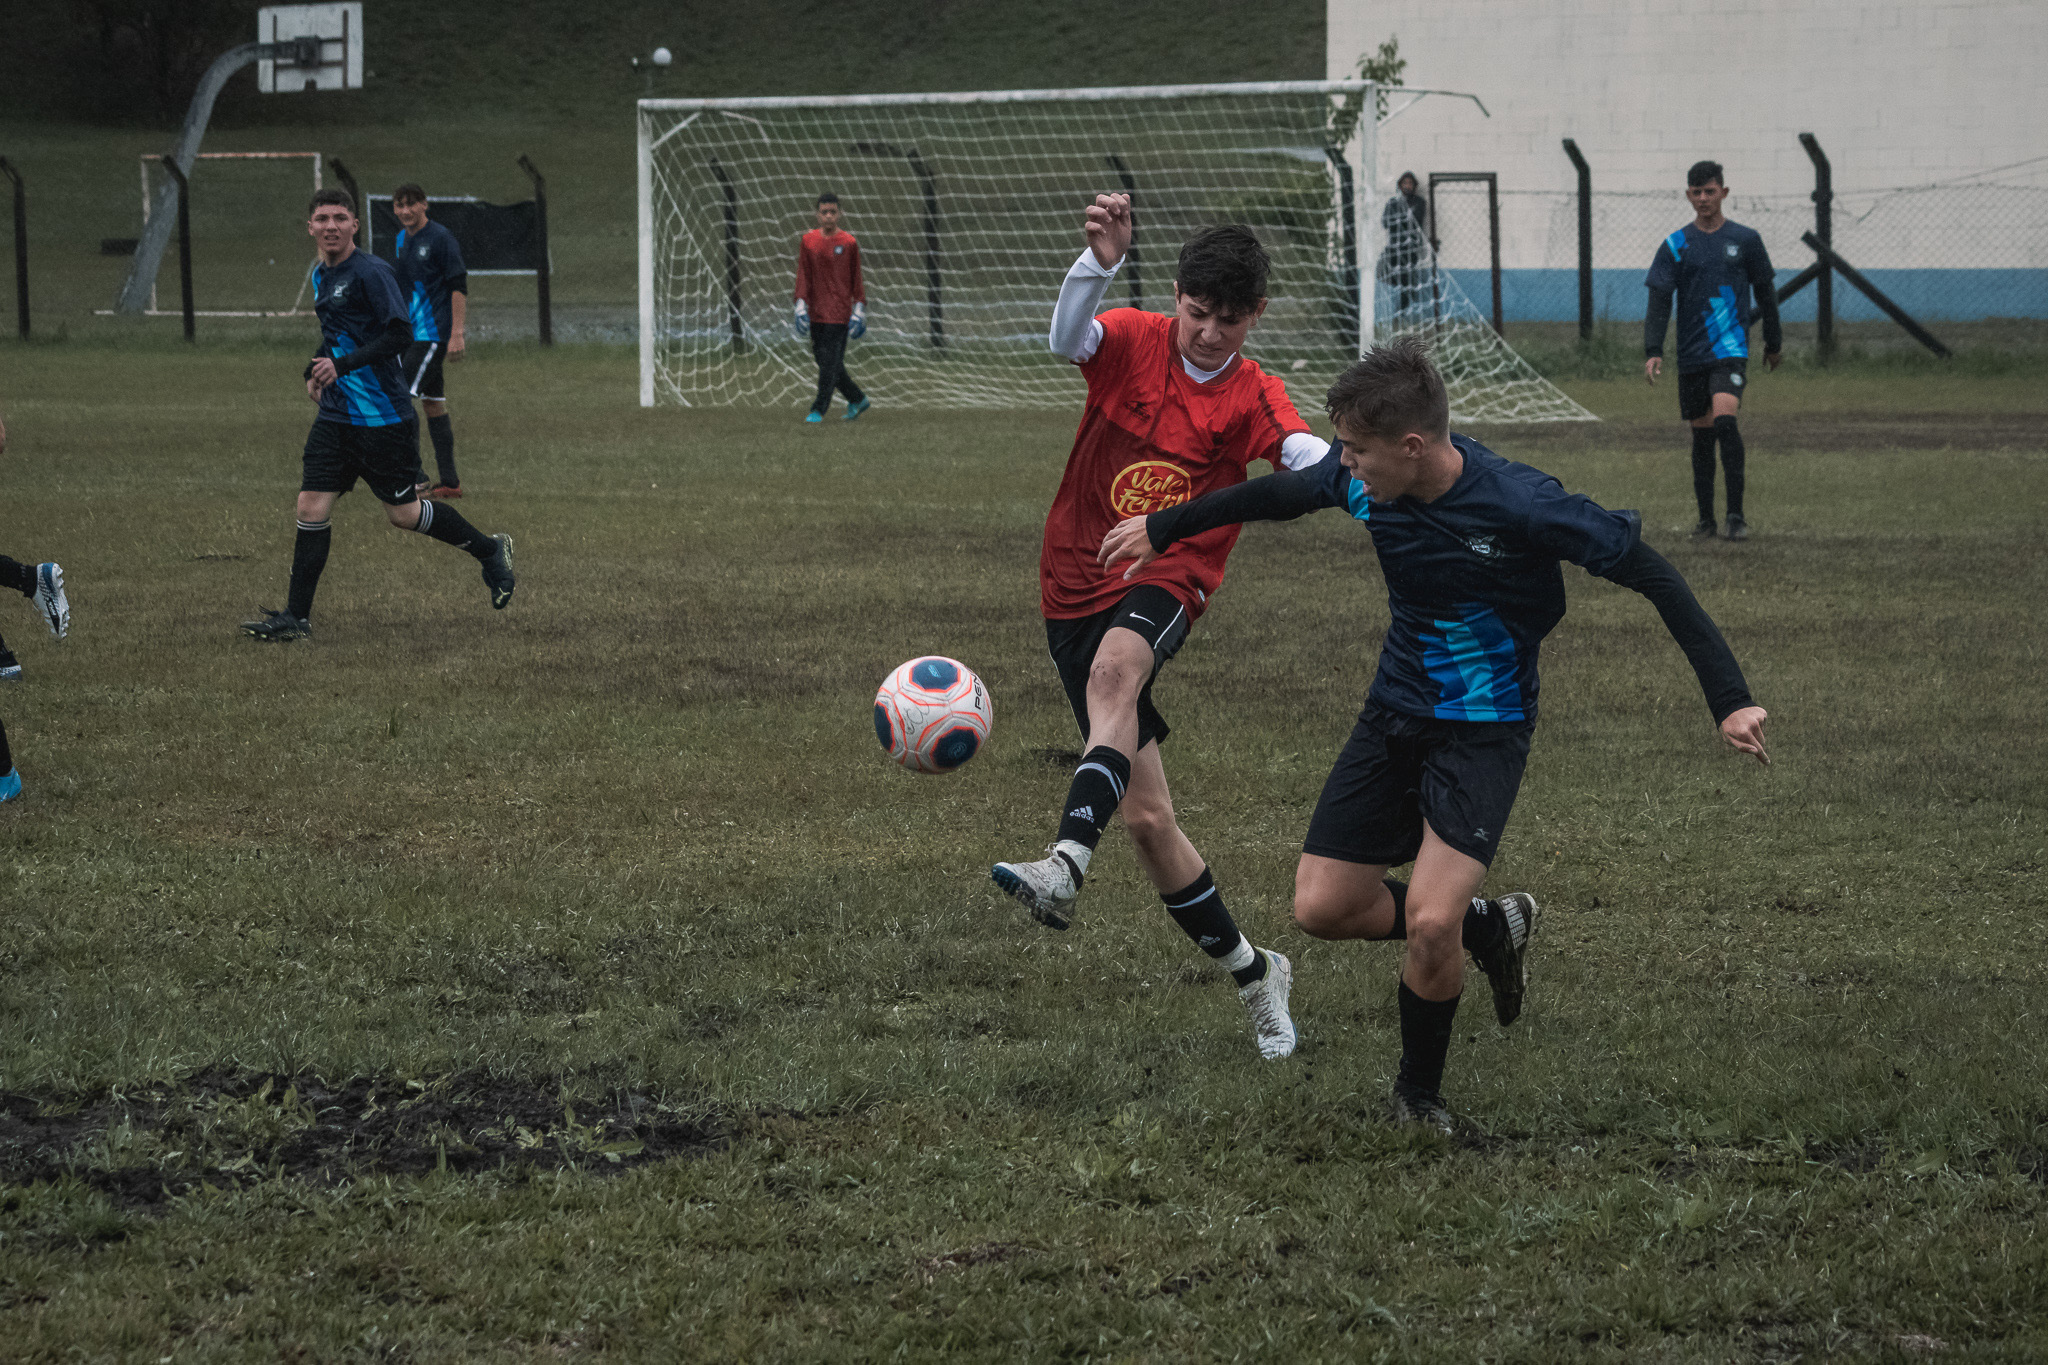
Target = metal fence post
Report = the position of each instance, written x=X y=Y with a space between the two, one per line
x=1571 y=149
x=1493 y=233
x=540 y=213
x=1123 y=173
x=732 y=257
x=184 y=240
x=348 y=182
x=20 y=245
x=1823 y=228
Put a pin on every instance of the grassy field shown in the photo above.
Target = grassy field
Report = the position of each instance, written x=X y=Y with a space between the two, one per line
x=580 y=979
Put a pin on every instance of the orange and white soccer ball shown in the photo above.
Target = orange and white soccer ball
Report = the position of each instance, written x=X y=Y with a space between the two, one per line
x=932 y=714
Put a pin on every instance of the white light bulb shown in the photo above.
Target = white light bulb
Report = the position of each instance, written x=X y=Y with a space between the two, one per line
x=662 y=57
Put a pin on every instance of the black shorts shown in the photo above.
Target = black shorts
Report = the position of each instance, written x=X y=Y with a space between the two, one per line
x=1696 y=390
x=1148 y=609
x=386 y=459
x=421 y=369
x=1396 y=772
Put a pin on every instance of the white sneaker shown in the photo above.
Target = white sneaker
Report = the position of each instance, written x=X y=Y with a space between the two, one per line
x=50 y=599
x=1266 y=998
x=1046 y=888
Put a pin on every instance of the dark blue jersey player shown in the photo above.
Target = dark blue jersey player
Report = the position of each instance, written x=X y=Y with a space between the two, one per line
x=435 y=283
x=1470 y=546
x=1714 y=267
x=364 y=429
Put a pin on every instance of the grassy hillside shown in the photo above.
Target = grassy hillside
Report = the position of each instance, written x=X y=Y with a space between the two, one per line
x=456 y=92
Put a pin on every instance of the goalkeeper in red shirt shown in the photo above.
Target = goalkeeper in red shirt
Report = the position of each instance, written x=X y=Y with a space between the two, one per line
x=1173 y=411
x=830 y=304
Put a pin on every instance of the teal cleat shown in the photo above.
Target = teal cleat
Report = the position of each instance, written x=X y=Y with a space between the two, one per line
x=854 y=410
x=814 y=417
x=10 y=785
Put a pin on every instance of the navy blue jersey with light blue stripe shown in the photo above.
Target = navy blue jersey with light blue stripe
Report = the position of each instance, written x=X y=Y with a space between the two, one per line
x=429 y=265
x=357 y=301
x=1473 y=582
x=1713 y=274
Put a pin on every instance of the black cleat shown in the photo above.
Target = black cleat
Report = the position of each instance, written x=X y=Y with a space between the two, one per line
x=498 y=573
x=278 y=627
x=1506 y=964
x=1704 y=530
x=1420 y=1109
x=1738 y=529
x=10 y=667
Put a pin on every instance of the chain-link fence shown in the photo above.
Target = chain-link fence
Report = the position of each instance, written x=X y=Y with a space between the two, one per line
x=1971 y=253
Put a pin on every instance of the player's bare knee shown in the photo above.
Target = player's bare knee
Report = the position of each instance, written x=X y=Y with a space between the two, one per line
x=1319 y=914
x=1113 y=682
x=1435 y=937
x=404 y=515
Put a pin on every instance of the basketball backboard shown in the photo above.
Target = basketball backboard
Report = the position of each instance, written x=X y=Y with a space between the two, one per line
x=333 y=60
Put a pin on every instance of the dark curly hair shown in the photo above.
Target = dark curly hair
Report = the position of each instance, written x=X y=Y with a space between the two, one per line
x=1225 y=267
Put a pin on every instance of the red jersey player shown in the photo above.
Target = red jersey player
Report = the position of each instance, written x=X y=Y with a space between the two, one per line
x=1173 y=412
x=830 y=306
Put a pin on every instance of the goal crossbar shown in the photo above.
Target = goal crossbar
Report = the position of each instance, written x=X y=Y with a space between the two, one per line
x=1093 y=92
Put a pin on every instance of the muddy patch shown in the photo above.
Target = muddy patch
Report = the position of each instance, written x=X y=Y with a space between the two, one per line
x=225 y=1129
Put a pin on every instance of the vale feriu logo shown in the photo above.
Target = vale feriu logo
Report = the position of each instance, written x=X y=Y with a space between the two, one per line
x=1486 y=547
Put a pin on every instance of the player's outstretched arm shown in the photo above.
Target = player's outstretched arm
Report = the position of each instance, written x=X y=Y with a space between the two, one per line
x=1277 y=497
x=1075 y=333
x=1740 y=719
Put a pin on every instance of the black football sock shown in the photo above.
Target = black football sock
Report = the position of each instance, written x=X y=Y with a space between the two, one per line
x=1093 y=796
x=6 y=754
x=443 y=437
x=444 y=523
x=1733 y=459
x=1425 y=1041
x=1703 y=470
x=18 y=576
x=1484 y=926
x=309 y=557
x=1400 y=894
x=1199 y=911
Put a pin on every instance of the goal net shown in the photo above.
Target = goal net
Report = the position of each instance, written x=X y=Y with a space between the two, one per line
x=968 y=207
x=251 y=256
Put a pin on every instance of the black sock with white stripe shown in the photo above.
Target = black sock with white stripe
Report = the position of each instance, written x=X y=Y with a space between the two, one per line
x=1097 y=790
x=18 y=576
x=1199 y=911
x=309 y=558
x=444 y=523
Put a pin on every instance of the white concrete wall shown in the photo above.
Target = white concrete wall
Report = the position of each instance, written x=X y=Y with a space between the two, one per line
x=1897 y=93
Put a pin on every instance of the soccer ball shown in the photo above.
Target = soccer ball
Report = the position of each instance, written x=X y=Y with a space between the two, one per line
x=932 y=714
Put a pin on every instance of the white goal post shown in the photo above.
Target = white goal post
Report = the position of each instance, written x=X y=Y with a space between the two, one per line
x=967 y=207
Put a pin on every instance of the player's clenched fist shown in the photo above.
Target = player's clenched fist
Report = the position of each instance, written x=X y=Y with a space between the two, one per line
x=1109 y=228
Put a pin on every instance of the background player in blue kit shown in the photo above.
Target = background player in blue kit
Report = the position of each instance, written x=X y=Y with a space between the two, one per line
x=435 y=284
x=1712 y=265
x=1470 y=546
x=364 y=429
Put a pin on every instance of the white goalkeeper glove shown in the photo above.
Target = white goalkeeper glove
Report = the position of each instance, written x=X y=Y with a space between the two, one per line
x=803 y=319
x=858 y=327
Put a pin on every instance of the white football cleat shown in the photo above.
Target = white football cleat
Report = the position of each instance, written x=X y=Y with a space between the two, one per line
x=1046 y=888
x=50 y=599
x=1266 y=999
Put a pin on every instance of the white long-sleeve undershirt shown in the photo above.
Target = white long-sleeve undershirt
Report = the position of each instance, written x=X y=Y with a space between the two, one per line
x=1077 y=334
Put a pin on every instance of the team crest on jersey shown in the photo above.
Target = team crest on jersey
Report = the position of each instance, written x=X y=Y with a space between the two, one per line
x=838 y=251
x=1733 y=251
x=423 y=251
x=1486 y=547
x=1148 y=486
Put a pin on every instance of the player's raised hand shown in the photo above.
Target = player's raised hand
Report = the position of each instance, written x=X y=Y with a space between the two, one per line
x=1109 y=228
x=1651 y=367
x=1773 y=359
x=1127 y=540
x=1745 y=730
